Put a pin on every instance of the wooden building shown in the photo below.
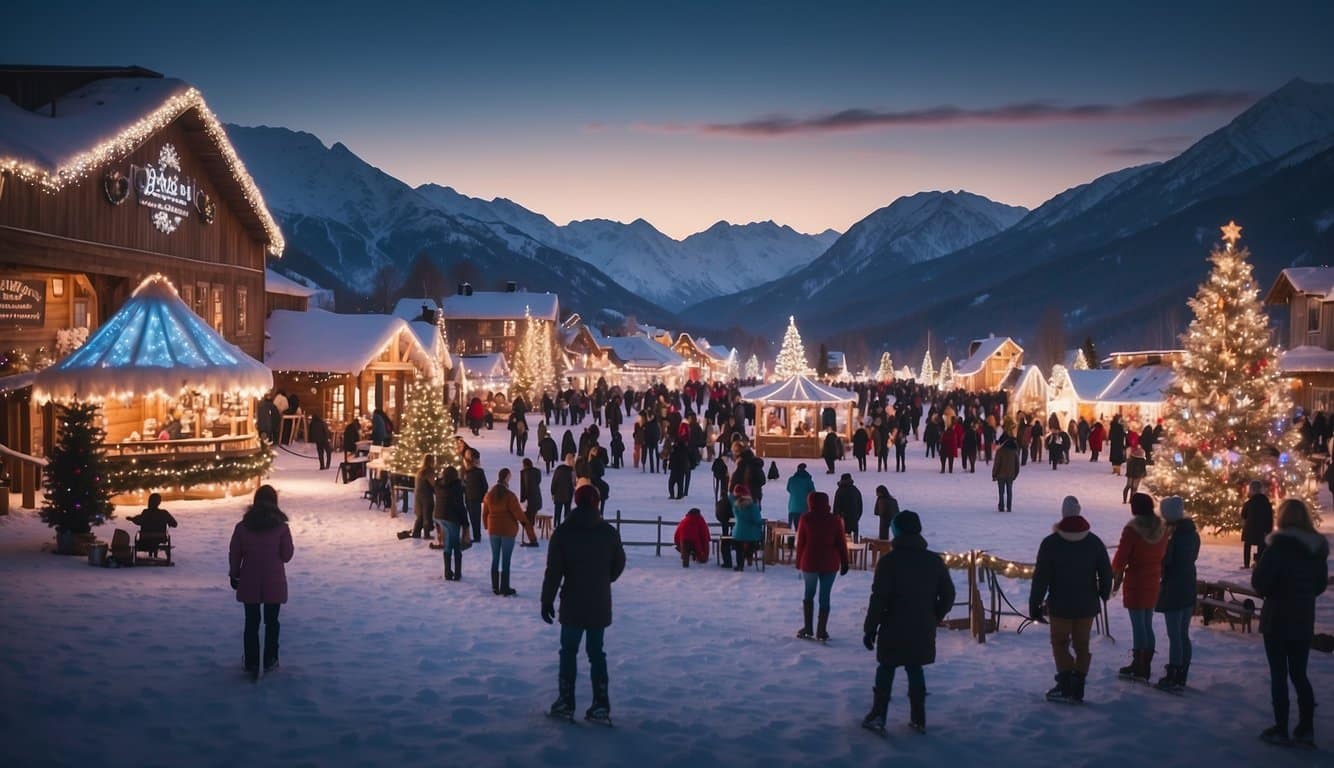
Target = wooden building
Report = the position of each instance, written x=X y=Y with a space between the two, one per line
x=988 y=364
x=1307 y=334
x=481 y=322
x=282 y=292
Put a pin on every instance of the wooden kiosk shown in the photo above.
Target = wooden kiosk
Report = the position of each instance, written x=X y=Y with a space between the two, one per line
x=787 y=417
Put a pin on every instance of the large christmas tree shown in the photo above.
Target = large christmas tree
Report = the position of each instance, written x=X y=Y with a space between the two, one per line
x=77 y=490
x=792 y=357
x=425 y=428
x=1227 y=418
x=886 y=372
x=946 y=375
x=927 y=373
x=753 y=367
x=533 y=371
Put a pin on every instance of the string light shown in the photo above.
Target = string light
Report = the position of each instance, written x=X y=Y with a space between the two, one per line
x=886 y=370
x=82 y=166
x=127 y=476
x=927 y=373
x=753 y=367
x=792 y=356
x=425 y=429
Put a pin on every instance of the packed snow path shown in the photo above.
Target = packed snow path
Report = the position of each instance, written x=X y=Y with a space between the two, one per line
x=384 y=663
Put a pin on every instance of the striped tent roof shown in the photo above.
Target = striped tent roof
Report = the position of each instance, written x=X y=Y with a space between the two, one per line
x=798 y=389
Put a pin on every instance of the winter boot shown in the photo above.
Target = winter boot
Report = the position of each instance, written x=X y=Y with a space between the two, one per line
x=725 y=552
x=685 y=559
x=1182 y=670
x=505 y=585
x=563 y=707
x=458 y=565
x=1168 y=682
x=822 y=629
x=600 y=712
x=917 y=710
x=449 y=571
x=1276 y=735
x=1128 y=671
x=1304 y=734
x=807 y=614
x=1145 y=670
x=1077 y=679
x=875 y=719
x=1061 y=691
x=495 y=581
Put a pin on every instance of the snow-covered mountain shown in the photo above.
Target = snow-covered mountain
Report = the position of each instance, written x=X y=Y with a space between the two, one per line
x=723 y=259
x=1078 y=199
x=345 y=219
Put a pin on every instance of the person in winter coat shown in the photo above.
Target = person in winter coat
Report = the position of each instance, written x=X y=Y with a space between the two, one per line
x=822 y=550
x=382 y=429
x=1004 y=470
x=750 y=473
x=1138 y=570
x=617 y=448
x=1116 y=441
x=268 y=419
x=911 y=594
x=1081 y=431
x=317 y=432
x=799 y=486
x=972 y=438
x=1292 y=573
x=949 y=446
x=1137 y=468
x=474 y=490
x=831 y=451
x=692 y=538
x=351 y=434
x=547 y=450
x=568 y=445
x=1257 y=520
x=748 y=525
x=1073 y=577
x=261 y=545
x=1097 y=434
x=719 y=470
x=476 y=414
x=678 y=467
x=886 y=507
x=1176 y=595
x=530 y=494
x=652 y=438
x=423 y=498
x=451 y=514
x=562 y=488
x=1058 y=447
x=848 y=506
x=503 y=518
x=1147 y=439
x=583 y=559
x=861 y=441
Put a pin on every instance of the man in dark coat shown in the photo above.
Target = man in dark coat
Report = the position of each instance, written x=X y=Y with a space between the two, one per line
x=1004 y=470
x=268 y=419
x=1072 y=579
x=1257 y=520
x=318 y=434
x=530 y=494
x=1116 y=439
x=750 y=473
x=911 y=594
x=678 y=468
x=562 y=489
x=831 y=451
x=848 y=506
x=652 y=436
x=474 y=490
x=584 y=558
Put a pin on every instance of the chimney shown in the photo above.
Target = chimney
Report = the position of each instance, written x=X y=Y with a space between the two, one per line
x=467 y=289
x=461 y=288
x=511 y=286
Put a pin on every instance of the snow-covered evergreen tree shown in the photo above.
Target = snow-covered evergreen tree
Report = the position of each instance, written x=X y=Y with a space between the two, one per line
x=1081 y=362
x=792 y=356
x=946 y=379
x=927 y=373
x=1227 y=418
x=753 y=367
x=886 y=371
x=425 y=428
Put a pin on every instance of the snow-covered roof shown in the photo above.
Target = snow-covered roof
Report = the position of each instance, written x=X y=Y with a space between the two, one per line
x=1088 y=385
x=325 y=342
x=719 y=352
x=153 y=344
x=1306 y=359
x=286 y=286
x=1318 y=281
x=411 y=309
x=985 y=349
x=501 y=305
x=798 y=389
x=642 y=352
x=1024 y=377
x=488 y=366
x=103 y=122
x=1138 y=384
x=16 y=381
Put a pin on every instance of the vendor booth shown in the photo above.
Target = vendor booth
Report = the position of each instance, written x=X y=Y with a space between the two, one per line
x=787 y=417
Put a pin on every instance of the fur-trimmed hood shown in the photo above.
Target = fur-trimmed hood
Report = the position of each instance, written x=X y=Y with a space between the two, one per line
x=1150 y=527
x=1315 y=543
x=1072 y=529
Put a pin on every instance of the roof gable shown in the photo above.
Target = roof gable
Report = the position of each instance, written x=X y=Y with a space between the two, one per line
x=327 y=342
x=1311 y=281
x=983 y=350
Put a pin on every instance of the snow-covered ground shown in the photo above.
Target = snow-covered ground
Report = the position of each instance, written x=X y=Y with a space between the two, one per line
x=383 y=663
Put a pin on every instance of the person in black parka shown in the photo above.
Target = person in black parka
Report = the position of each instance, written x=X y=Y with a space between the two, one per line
x=848 y=506
x=562 y=489
x=911 y=594
x=317 y=432
x=1292 y=572
x=474 y=490
x=830 y=451
x=1116 y=441
x=1257 y=520
x=583 y=559
x=1176 y=595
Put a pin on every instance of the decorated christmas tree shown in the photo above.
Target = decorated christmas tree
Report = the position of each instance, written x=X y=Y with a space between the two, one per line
x=927 y=373
x=1227 y=417
x=425 y=428
x=947 y=374
x=77 y=490
x=1081 y=361
x=753 y=367
x=886 y=372
x=1059 y=382
x=792 y=357
x=533 y=371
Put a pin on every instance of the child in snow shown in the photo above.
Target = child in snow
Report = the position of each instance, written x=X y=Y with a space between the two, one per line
x=692 y=538
x=153 y=523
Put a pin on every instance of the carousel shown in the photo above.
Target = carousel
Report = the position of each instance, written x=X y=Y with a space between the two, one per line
x=788 y=417
x=176 y=399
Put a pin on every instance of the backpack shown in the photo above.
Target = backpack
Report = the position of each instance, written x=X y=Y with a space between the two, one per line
x=722 y=509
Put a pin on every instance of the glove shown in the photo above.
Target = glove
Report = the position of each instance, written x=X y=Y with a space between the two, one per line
x=548 y=612
x=868 y=640
x=236 y=583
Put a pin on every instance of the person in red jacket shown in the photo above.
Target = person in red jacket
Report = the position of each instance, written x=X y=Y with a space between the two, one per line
x=692 y=538
x=261 y=544
x=950 y=441
x=1096 y=436
x=822 y=550
x=1137 y=570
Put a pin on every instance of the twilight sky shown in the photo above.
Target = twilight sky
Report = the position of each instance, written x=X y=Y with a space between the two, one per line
x=810 y=114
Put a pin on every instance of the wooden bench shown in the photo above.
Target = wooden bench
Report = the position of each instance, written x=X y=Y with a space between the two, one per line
x=1221 y=601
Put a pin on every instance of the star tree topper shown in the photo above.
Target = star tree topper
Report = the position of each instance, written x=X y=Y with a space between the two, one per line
x=1231 y=233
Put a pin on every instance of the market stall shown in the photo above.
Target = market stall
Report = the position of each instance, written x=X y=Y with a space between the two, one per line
x=788 y=416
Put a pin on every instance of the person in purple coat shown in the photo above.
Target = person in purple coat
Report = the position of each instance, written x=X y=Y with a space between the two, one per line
x=261 y=544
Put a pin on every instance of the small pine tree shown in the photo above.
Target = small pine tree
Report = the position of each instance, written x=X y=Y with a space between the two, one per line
x=1081 y=362
x=927 y=373
x=523 y=373
x=77 y=492
x=886 y=371
x=1227 y=416
x=426 y=428
x=1090 y=353
x=792 y=357
x=753 y=367
x=947 y=374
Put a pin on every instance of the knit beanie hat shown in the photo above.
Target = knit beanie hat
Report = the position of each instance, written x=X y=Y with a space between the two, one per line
x=1141 y=504
x=587 y=496
x=1172 y=508
x=1070 y=507
x=906 y=523
x=818 y=502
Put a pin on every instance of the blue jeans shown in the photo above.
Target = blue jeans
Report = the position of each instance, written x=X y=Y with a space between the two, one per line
x=1141 y=628
x=884 y=678
x=451 y=534
x=502 y=548
x=1178 y=635
x=825 y=582
x=569 y=653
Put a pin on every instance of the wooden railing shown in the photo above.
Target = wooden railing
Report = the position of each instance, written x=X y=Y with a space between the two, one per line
x=170 y=448
x=27 y=477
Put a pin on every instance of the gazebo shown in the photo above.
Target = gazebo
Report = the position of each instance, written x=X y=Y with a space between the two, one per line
x=787 y=416
x=176 y=397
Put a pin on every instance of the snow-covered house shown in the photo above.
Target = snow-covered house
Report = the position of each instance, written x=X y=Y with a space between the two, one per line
x=282 y=292
x=1137 y=394
x=1027 y=389
x=1073 y=394
x=481 y=322
x=702 y=362
x=642 y=361
x=484 y=375
x=342 y=366
x=989 y=361
x=1308 y=335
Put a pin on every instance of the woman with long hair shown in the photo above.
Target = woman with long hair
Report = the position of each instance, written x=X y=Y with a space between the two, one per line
x=261 y=545
x=451 y=514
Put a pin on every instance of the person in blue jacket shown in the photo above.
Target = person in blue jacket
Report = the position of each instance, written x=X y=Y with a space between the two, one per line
x=799 y=486
x=748 y=525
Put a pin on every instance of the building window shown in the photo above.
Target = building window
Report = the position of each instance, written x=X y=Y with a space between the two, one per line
x=338 y=411
x=462 y=346
x=487 y=346
x=1312 y=315
x=242 y=311
x=391 y=403
x=188 y=295
x=201 y=299
x=484 y=328
x=81 y=319
x=356 y=402
x=509 y=327
x=218 y=317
